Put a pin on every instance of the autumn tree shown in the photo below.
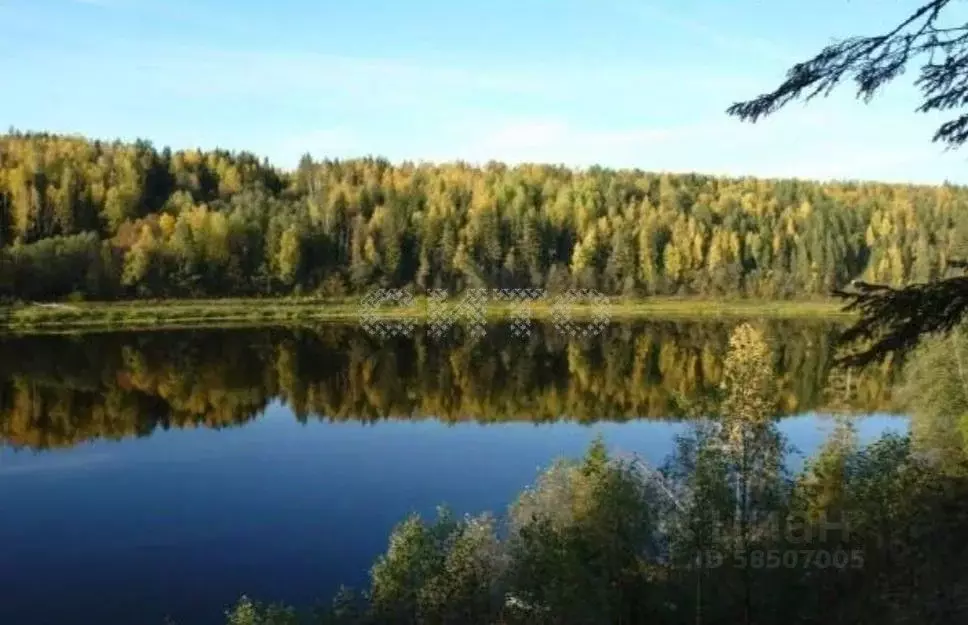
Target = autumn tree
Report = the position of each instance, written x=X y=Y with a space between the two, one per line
x=225 y=224
x=893 y=318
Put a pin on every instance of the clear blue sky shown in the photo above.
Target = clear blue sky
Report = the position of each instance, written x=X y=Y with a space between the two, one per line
x=640 y=83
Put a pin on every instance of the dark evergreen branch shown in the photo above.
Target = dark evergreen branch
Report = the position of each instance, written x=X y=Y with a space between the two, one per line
x=894 y=320
x=873 y=61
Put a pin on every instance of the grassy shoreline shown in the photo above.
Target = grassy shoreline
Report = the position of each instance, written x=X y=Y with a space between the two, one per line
x=185 y=314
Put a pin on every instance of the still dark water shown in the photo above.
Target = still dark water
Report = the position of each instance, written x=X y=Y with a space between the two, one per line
x=164 y=474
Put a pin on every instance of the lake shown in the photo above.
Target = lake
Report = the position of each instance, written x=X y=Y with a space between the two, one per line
x=146 y=475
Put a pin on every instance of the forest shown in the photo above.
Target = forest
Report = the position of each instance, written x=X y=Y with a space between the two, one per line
x=85 y=219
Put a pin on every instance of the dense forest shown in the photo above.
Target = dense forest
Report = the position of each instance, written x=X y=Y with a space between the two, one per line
x=86 y=219
x=64 y=390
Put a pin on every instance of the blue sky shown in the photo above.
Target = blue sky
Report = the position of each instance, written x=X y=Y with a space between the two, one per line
x=637 y=83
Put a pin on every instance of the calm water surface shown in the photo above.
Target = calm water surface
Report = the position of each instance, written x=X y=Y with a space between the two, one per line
x=165 y=474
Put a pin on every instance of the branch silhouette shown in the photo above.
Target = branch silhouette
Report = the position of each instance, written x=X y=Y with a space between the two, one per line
x=895 y=319
x=892 y=319
x=873 y=61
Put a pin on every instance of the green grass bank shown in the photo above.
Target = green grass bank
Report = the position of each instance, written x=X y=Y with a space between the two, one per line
x=38 y=318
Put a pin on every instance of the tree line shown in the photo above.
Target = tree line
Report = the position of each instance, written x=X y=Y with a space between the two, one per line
x=97 y=220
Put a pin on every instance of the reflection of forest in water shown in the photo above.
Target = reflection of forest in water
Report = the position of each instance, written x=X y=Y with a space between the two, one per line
x=59 y=390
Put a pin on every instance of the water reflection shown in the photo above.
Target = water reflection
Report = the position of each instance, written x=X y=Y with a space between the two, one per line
x=302 y=499
x=724 y=532
x=57 y=391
